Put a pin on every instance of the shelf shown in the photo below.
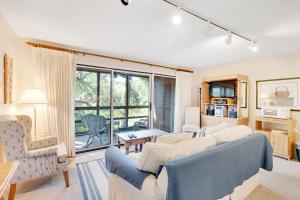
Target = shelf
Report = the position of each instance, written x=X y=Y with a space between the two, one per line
x=220 y=104
x=218 y=117
x=274 y=120
x=263 y=130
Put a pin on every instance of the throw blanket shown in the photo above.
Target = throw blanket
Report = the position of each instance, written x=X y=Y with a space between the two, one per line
x=214 y=173
x=119 y=164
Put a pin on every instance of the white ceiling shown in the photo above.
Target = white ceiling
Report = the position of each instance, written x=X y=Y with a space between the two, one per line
x=144 y=30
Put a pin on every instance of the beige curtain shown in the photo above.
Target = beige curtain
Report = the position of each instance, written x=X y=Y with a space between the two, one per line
x=183 y=98
x=55 y=75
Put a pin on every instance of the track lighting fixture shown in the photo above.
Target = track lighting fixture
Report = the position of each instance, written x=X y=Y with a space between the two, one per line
x=210 y=24
x=253 y=47
x=177 y=19
x=208 y=28
x=228 y=39
x=125 y=2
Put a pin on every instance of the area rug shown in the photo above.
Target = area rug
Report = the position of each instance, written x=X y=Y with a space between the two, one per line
x=94 y=183
x=93 y=179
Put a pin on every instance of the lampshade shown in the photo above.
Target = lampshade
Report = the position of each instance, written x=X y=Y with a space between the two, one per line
x=33 y=96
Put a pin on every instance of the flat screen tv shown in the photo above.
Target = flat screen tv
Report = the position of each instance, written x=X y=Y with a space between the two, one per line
x=221 y=91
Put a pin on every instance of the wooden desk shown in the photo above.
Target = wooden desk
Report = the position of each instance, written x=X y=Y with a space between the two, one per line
x=7 y=170
x=283 y=145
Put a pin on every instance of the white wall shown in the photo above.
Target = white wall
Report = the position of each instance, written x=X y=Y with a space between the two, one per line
x=283 y=66
x=15 y=48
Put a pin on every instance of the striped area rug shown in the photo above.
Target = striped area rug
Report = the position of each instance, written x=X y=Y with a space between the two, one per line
x=93 y=179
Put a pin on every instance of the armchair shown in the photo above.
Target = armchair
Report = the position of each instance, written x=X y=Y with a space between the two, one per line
x=37 y=159
x=191 y=120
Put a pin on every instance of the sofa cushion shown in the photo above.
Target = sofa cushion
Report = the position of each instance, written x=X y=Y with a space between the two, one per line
x=173 y=138
x=155 y=154
x=232 y=133
x=212 y=129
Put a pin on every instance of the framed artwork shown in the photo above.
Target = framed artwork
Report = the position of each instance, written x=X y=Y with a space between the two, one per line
x=278 y=92
x=8 y=79
x=244 y=96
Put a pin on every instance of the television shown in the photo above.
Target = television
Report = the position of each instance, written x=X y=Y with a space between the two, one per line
x=218 y=90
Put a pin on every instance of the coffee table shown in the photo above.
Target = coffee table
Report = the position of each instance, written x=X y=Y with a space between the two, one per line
x=141 y=138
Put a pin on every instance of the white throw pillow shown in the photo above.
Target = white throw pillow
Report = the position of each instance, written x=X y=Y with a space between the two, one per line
x=155 y=154
x=173 y=138
x=212 y=129
x=232 y=133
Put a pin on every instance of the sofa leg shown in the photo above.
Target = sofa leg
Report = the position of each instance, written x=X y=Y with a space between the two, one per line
x=12 y=191
x=66 y=176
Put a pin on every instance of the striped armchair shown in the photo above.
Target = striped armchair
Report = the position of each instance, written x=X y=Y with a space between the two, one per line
x=37 y=158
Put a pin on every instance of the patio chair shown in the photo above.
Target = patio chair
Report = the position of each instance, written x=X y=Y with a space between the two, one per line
x=141 y=124
x=96 y=126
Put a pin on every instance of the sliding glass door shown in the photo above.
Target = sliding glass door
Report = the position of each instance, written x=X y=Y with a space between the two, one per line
x=98 y=93
x=108 y=102
x=164 y=103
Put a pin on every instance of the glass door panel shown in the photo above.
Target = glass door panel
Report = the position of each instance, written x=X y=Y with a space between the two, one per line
x=131 y=102
x=92 y=109
x=139 y=103
x=164 y=103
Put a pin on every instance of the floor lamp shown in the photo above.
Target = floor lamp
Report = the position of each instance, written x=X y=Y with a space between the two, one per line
x=35 y=97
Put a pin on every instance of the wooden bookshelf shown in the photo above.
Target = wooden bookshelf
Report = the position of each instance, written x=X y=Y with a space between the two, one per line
x=234 y=102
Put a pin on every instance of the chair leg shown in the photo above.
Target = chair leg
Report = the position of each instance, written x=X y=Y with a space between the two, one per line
x=89 y=141
x=12 y=191
x=66 y=176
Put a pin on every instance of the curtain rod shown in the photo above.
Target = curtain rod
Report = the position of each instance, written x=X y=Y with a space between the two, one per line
x=45 y=46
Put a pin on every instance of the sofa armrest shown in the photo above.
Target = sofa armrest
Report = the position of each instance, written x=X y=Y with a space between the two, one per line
x=174 y=138
x=119 y=164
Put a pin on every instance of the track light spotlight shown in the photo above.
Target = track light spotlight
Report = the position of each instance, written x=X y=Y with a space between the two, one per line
x=253 y=47
x=177 y=19
x=228 y=39
x=125 y=2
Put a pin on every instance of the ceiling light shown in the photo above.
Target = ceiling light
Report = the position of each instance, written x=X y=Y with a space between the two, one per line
x=177 y=19
x=125 y=2
x=253 y=47
x=207 y=29
x=228 y=39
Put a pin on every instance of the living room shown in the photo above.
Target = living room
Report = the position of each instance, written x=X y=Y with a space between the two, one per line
x=150 y=77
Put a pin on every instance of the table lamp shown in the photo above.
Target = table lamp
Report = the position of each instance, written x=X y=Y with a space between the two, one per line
x=35 y=97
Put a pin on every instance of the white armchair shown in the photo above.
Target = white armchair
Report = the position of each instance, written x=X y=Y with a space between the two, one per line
x=37 y=159
x=191 y=120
